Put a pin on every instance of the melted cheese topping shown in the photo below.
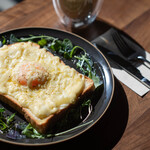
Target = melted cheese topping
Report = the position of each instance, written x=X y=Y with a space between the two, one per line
x=60 y=88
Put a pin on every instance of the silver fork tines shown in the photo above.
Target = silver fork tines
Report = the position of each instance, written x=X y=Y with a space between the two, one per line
x=125 y=49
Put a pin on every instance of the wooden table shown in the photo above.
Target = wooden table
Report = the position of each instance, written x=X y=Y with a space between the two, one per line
x=126 y=124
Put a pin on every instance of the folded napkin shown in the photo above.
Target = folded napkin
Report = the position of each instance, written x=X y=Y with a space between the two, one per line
x=106 y=41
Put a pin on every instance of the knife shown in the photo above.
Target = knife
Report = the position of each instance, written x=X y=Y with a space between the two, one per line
x=124 y=64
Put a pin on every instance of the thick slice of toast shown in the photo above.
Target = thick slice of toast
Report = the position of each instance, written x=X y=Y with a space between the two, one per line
x=42 y=125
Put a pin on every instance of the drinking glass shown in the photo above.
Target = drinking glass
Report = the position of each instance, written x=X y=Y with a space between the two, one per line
x=77 y=13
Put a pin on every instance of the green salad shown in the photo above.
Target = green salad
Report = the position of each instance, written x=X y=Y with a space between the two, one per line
x=81 y=59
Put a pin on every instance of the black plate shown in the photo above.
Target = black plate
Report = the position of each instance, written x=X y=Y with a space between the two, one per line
x=103 y=69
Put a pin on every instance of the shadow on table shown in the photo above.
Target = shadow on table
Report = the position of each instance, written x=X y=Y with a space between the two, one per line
x=92 y=31
x=104 y=135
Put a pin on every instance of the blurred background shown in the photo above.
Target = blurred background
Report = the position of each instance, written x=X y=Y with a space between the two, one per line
x=5 y=4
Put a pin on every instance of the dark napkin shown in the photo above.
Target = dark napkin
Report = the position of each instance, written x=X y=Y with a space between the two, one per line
x=106 y=40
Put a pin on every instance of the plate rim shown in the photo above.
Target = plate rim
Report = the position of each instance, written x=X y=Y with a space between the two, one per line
x=89 y=126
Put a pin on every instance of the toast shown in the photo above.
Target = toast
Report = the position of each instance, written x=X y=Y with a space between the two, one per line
x=42 y=125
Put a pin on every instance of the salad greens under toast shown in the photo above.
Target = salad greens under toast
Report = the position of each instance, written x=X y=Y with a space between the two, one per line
x=82 y=61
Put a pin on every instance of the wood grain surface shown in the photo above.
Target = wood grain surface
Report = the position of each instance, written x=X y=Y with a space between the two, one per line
x=131 y=16
x=126 y=124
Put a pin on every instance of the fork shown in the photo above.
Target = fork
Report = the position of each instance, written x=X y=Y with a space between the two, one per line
x=125 y=49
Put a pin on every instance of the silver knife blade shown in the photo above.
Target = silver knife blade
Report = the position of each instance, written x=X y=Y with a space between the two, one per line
x=124 y=64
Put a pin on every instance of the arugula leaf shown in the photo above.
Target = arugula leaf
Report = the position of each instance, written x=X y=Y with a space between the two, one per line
x=44 y=38
x=10 y=119
x=5 y=122
x=42 y=42
x=84 y=61
x=79 y=126
x=30 y=132
x=34 y=37
x=13 y=39
x=3 y=125
x=96 y=80
x=74 y=50
x=56 y=45
x=67 y=44
x=2 y=110
x=4 y=40
x=86 y=103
